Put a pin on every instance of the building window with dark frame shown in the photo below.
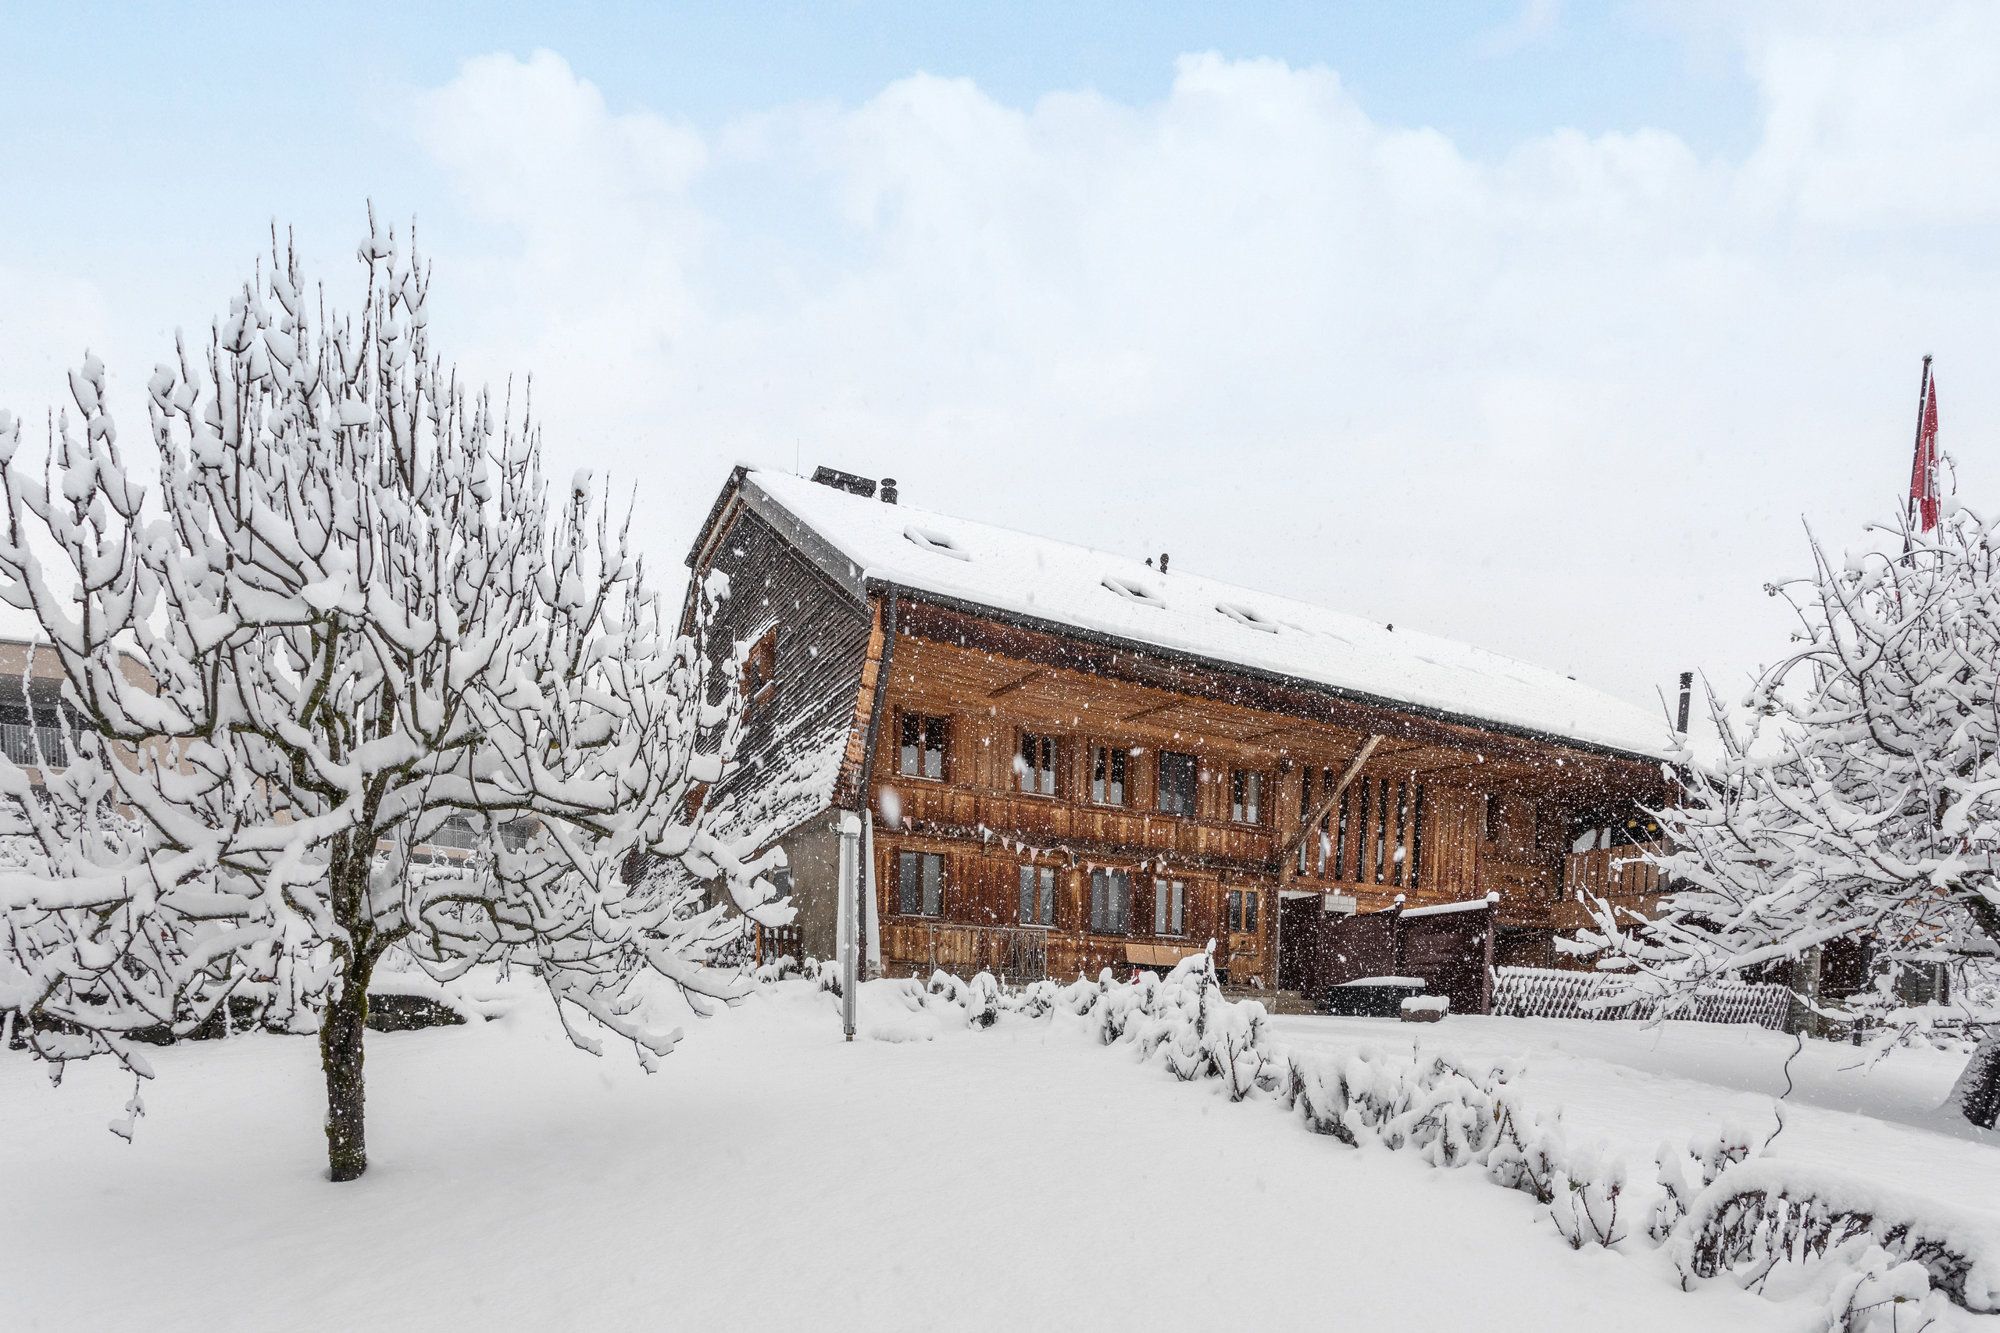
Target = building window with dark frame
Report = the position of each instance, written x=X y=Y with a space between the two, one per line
x=1035 y=768
x=1240 y=909
x=1169 y=907
x=1108 y=767
x=1178 y=776
x=919 y=883
x=1110 y=902
x=922 y=752
x=1246 y=796
x=759 y=679
x=1038 y=895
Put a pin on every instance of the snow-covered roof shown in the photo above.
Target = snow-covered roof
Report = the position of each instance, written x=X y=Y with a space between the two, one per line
x=1119 y=597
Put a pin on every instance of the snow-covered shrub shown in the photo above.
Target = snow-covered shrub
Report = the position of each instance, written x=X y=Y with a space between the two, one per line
x=1763 y=1213
x=1879 y=1293
x=1683 y=1173
x=1318 y=1092
x=1589 y=1203
x=1527 y=1152
x=782 y=968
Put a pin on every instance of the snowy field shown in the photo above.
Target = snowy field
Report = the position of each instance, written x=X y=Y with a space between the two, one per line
x=771 y=1176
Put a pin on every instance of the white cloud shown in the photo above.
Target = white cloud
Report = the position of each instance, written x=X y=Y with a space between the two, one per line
x=1568 y=404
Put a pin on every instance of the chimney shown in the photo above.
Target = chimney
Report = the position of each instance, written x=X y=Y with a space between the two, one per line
x=1687 y=700
x=1163 y=562
x=888 y=490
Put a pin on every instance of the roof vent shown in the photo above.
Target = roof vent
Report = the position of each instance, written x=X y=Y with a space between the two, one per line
x=1133 y=591
x=1243 y=615
x=845 y=481
x=935 y=542
x=888 y=490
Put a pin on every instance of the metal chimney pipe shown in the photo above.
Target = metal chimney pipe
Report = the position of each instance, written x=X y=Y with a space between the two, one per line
x=888 y=490
x=1687 y=700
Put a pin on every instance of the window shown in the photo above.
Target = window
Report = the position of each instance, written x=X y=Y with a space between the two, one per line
x=1107 y=775
x=1241 y=909
x=1177 y=782
x=919 y=883
x=1035 y=771
x=1110 y=902
x=1038 y=895
x=1133 y=591
x=922 y=752
x=781 y=883
x=759 y=680
x=937 y=543
x=1169 y=907
x=1402 y=831
x=1243 y=615
x=1246 y=797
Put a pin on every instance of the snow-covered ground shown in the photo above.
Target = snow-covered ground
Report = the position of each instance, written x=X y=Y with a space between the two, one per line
x=770 y=1176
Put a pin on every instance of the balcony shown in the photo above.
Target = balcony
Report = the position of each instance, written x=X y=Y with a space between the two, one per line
x=1051 y=821
x=34 y=746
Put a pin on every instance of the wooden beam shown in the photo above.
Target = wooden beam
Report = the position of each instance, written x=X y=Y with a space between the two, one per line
x=1013 y=685
x=1326 y=803
x=1150 y=710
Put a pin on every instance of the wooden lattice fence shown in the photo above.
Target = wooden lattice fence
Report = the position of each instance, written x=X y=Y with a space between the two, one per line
x=1539 y=992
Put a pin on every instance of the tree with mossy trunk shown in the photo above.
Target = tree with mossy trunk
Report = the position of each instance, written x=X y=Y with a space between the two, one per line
x=346 y=611
x=1855 y=793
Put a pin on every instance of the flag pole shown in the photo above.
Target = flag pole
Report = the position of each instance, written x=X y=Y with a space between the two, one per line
x=1910 y=506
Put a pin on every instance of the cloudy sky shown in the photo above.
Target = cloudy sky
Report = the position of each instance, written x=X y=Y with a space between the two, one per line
x=1549 y=327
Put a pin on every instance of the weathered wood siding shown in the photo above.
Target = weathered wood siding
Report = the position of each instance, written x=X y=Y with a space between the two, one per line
x=797 y=732
x=1451 y=815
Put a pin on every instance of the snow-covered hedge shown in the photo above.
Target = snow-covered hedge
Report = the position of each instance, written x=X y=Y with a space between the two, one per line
x=1878 y=1259
x=1541 y=992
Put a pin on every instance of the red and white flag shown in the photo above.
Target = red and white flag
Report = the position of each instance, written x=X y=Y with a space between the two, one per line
x=1924 y=468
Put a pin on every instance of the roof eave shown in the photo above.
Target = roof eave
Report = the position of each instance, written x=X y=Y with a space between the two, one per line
x=1065 y=629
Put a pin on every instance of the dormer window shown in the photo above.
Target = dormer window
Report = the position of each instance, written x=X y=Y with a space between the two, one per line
x=1133 y=591
x=935 y=542
x=1243 y=615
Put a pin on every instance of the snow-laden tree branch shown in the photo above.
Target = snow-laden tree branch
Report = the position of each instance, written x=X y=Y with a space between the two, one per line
x=347 y=612
x=1856 y=792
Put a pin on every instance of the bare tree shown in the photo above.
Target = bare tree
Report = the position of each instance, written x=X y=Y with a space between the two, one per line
x=1857 y=792
x=347 y=612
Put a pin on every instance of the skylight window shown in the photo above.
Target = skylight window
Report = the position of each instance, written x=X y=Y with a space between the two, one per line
x=1133 y=591
x=1244 y=615
x=937 y=542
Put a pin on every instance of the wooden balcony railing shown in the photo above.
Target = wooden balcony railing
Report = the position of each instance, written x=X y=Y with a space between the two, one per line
x=1613 y=872
x=1048 y=820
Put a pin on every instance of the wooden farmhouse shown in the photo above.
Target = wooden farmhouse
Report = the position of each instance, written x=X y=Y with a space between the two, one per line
x=1063 y=760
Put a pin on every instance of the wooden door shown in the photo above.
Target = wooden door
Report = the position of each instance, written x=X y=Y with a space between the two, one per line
x=1245 y=924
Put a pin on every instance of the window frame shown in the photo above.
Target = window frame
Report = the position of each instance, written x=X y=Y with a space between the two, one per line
x=1038 y=887
x=1035 y=774
x=925 y=727
x=928 y=897
x=1240 y=907
x=1115 y=764
x=1170 y=907
x=1112 y=914
x=1160 y=788
x=1255 y=782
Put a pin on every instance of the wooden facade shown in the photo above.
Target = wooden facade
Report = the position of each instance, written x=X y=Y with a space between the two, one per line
x=1428 y=818
x=1045 y=801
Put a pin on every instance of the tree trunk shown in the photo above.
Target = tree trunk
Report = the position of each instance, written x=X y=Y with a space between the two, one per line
x=341 y=1029
x=1976 y=1095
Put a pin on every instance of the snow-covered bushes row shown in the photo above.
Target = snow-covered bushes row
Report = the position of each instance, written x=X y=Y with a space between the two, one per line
x=1881 y=1261
x=1541 y=992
